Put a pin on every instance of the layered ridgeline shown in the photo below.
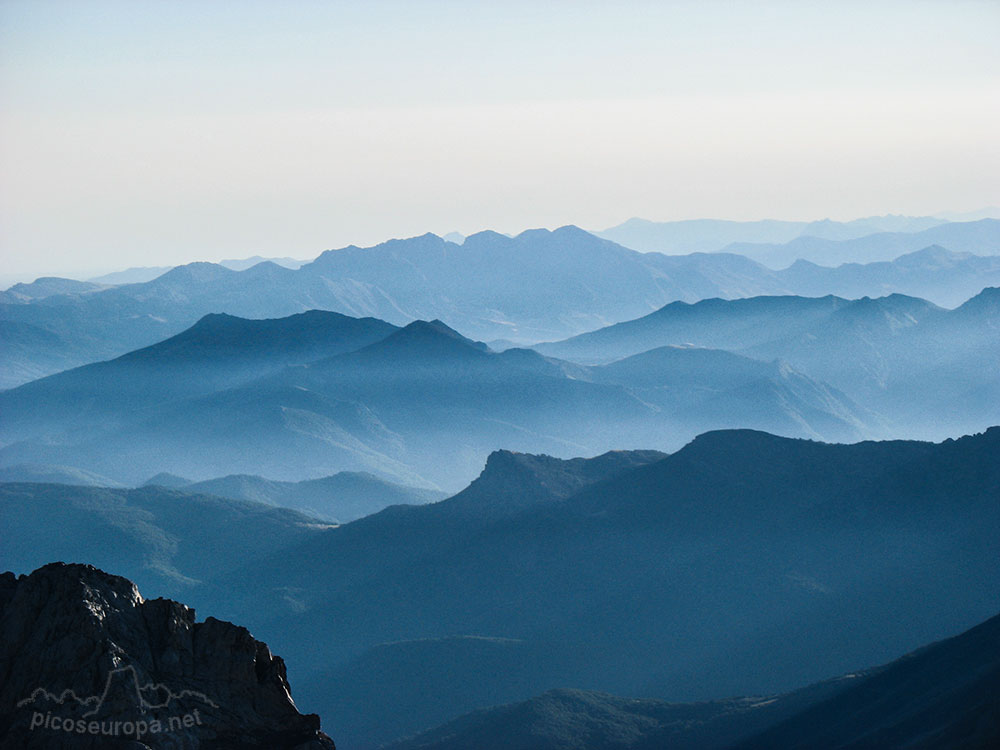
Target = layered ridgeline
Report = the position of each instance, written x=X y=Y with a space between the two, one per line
x=48 y=474
x=928 y=371
x=743 y=564
x=945 y=696
x=944 y=276
x=47 y=286
x=537 y=286
x=713 y=235
x=339 y=498
x=166 y=540
x=88 y=663
x=980 y=237
x=778 y=244
x=421 y=405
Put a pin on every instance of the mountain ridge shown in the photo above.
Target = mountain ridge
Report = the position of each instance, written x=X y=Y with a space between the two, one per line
x=712 y=550
x=539 y=285
x=896 y=705
x=421 y=404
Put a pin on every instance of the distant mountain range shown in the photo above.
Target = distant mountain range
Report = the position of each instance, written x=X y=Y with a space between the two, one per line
x=947 y=278
x=981 y=237
x=713 y=235
x=217 y=353
x=319 y=393
x=989 y=212
x=134 y=275
x=167 y=540
x=47 y=286
x=142 y=274
x=929 y=371
x=778 y=244
x=537 y=286
x=945 y=696
x=673 y=477
x=48 y=474
x=340 y=498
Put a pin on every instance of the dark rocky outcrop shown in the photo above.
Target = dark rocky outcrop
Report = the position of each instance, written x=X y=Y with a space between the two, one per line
x=86 y=662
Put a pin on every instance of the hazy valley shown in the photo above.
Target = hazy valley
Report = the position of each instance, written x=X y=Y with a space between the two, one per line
x=539 y=491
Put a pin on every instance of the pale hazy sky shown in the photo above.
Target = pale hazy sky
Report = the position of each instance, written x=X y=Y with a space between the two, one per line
x=153 y=133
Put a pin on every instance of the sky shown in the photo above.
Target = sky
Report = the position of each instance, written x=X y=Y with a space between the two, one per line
x=146 y=133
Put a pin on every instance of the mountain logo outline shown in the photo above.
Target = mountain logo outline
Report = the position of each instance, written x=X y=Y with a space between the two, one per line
x=130 y=682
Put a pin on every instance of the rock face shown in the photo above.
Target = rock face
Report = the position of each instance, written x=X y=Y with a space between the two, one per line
x=86 y=662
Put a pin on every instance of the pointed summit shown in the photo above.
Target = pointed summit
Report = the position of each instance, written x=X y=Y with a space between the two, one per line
x=422 y=338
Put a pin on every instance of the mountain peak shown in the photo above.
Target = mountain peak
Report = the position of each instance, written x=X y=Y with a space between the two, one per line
x=990 y=293
x=198 y=273
x=215 y=321
x=437 y=324
x=900 y=304
x=427 y=243
x=436 y=327
x=985 y=301
x=801 y=264
x=270 y=342
x=426 y=338
x=48 y=286
x=567 y=232
x=267 y=269
x=166 y=479
x=572 y=229
x=427 y=239
x=513 y=481
x=307 y=318
x=932 y=256
x=487 y=236
x=722 y=439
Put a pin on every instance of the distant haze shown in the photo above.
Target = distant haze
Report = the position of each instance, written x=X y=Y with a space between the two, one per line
x=149 y=134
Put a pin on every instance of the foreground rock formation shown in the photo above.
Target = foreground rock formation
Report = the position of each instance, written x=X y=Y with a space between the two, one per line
x=86 y=662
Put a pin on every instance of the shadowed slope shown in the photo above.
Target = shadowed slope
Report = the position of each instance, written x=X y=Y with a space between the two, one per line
x=945 y=696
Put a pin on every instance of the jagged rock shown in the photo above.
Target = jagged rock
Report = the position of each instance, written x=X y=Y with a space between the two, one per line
x=86 y=662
